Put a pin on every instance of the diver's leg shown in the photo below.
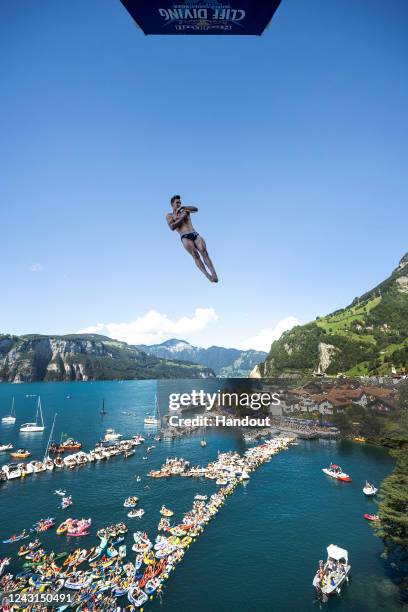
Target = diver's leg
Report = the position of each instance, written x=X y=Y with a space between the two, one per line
x=190 y=247
x=202 y=248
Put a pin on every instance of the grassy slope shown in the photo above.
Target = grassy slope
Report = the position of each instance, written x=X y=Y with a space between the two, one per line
x=369 y=336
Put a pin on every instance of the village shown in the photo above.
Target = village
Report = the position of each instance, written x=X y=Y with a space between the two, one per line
x=330 y=396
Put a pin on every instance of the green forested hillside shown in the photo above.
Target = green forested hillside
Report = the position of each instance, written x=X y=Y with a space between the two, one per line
x=368 y=337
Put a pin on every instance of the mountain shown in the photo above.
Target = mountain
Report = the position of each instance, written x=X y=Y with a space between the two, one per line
x=369 y=337
x=84 y=357
x=226 y=362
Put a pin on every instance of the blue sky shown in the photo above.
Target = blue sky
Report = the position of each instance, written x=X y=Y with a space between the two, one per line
x=293 y=145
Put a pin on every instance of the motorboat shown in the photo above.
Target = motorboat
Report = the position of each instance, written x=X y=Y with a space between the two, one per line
x=68 y=445
x=5 y=447
x=10 y=418
x=12 y=471
x=60 y=492
x=38 y=426
x=111 y=434
x=20 y=453
x=330 y=577
x=371 y=517
x=369 y=489
x=336 y=472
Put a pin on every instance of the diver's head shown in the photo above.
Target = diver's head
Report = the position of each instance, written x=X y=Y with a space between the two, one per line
x=175 y=202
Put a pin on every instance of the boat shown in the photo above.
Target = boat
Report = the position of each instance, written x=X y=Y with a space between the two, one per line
x=369 y=489
x=136 y=513
x=60 y=492
x=66 y=502
x=330 y=577
x=38 y=426
x=12 y=471
x=5 y=447
x=136 y=596
x=111 y=434
x=3 y=564
x=103 y=411
x=371 y=517
x=166 y=511
x=130 y=502
x=16 y=538
x=336 y=472
x=70 y=444
x=153 y=419
x=21 y=453
x=10 y=418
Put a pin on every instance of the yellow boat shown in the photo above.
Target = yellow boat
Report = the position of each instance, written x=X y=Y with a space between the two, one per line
x=359 y=439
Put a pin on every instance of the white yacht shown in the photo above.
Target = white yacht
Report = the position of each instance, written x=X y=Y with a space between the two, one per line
x=111 y=434
x=39 y=421
x=12 y=470
x=330 y=576
x=10 y=418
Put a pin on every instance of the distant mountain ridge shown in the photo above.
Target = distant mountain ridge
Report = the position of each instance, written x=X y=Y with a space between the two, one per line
x=225 y=362
x=368 y=337
x=78 y=357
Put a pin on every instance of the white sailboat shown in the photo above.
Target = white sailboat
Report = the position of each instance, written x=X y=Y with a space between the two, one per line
x=153 y=419
x=39 y=421
x=10 y=418
x=47 y=461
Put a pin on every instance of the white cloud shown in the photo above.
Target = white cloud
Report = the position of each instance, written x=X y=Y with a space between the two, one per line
x=154 y=327
x=263 y=339
x=36 y=267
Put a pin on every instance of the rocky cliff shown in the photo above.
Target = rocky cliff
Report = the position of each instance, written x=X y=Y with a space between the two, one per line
x=84 y=357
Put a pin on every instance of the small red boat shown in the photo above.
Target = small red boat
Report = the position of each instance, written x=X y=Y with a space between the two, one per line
x=371 y=517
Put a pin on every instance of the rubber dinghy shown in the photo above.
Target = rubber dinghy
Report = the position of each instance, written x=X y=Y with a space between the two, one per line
x=137 y=597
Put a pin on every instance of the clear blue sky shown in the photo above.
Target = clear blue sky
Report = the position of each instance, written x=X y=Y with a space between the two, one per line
x=293 y=145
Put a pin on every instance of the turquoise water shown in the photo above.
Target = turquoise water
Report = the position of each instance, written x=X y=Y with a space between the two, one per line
x=262 y=549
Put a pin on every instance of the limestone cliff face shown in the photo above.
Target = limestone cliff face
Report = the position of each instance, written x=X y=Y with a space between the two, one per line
x=326 y=353
x=84 y=357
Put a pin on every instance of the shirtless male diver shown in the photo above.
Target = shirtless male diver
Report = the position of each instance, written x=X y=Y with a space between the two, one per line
x=180 y=220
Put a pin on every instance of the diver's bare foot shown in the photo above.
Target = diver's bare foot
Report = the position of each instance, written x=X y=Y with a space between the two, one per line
x=214 y=278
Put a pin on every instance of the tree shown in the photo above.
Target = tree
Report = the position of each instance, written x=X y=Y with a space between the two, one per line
x=393 y=508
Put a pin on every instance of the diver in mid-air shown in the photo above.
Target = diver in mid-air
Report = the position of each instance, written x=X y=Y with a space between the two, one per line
x=180 y=220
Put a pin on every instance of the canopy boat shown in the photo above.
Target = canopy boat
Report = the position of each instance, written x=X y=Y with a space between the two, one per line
x=336 y=472
x=330 y=576
x=21 y=453
x=10 y=418
x=38 y=426
x=369 y=489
